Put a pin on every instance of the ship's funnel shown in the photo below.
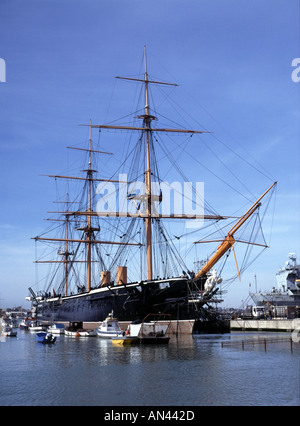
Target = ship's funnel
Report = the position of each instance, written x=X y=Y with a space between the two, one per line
x=105 y=278
x=121 y=275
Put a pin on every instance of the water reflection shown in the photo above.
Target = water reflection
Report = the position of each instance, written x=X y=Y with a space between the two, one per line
x=190 y=370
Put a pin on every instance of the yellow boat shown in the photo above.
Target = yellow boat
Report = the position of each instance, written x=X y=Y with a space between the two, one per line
x=125 y=340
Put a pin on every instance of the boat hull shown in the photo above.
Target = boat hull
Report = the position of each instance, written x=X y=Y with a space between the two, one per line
x=10 y=333
x=128 y=302
x=45 y=338
x=125 y=341
x=154 y=340
x=276 y=299
x=108 y=335
x=23 y=327
x=72 y=333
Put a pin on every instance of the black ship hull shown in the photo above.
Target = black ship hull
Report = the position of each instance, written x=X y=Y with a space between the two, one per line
x=128 y=302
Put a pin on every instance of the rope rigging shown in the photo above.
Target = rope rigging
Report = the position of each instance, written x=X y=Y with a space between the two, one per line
x=167 y=257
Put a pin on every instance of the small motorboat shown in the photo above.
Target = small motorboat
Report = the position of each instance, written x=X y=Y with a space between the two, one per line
x=150 y=332
x=109 y=328
x=73 y=329
x=9 y=331
x=24 y=324
x=71 y=333
x=35 y=327
x=45 y=338
x=56 y=329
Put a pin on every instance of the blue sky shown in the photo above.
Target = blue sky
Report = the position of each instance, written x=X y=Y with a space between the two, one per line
x=232 y=60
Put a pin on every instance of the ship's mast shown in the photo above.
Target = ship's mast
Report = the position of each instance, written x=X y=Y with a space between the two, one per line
x=89 y=230
x=64 y=253
x=88 y=218
x=147 y=130
x=67 y=246
x=147 y=120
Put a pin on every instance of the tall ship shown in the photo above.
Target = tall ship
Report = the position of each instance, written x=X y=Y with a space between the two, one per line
x=115 y=248
x=283 y=300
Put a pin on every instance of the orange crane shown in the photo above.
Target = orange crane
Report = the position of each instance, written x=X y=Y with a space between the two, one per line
x=229 y=241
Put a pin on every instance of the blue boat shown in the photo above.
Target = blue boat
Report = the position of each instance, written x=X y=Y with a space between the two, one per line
x=45 y=338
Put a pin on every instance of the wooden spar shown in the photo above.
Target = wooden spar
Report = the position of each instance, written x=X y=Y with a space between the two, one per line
x=229 y=241
x=84 y=178
x=89 y=150
x=149 y=81
x=62 y=261
x=236 y=264
x=250 y=211
x=237 y=241
x=61 y=220
x=142 y=215
x=153 y=129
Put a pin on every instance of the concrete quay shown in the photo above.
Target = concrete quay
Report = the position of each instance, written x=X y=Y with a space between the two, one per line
x=175 y=327
x=262 y=325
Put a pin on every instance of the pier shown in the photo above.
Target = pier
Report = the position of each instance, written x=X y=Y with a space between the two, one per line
x=175 y=326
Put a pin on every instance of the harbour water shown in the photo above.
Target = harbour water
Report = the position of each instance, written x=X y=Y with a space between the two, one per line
x=189 y=371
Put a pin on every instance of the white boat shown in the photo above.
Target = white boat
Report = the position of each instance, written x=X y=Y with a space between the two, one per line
x=150 y=331
x=70 y=333
x=147 y=328
x=73 y=329
x=87 y=333
x=34 y=328
x=109 y=328
x=80 y=333
x=56 y=329
x=24 y=324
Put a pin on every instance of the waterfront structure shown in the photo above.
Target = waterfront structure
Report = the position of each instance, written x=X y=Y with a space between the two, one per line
x=283 y=301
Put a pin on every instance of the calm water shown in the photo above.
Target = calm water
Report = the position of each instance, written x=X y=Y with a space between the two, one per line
x=190 y=371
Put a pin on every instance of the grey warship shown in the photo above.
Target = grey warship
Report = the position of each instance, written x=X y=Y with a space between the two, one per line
x=285 y=299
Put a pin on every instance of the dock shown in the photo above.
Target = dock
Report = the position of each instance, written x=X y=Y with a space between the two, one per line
x=175 y=326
